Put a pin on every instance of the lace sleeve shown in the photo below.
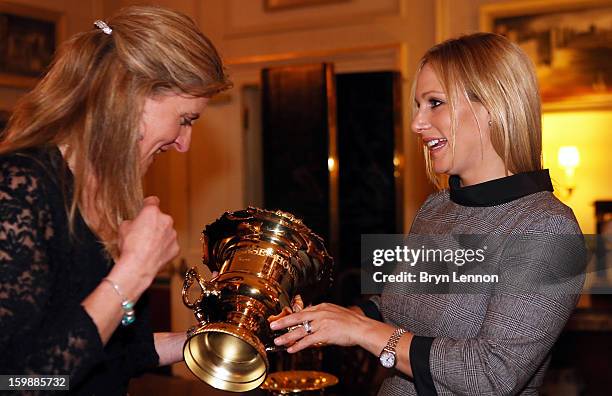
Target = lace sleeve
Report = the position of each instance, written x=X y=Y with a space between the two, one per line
x=32 y=339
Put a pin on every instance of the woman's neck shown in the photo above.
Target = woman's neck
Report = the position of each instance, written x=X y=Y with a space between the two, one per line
x=87 y=204
x=491 y=167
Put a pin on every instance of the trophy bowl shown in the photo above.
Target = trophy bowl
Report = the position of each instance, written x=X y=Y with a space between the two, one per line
x=264 y=259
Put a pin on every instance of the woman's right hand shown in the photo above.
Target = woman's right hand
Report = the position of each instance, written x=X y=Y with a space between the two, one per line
x=296 y=306
x=146 y=244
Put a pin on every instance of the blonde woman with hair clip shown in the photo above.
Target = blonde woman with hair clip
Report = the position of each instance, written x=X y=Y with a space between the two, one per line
x=477 y=115
x=79 y=244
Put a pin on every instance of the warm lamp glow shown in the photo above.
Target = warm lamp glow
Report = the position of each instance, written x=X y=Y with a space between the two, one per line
x=331 y=164
x=568 y=157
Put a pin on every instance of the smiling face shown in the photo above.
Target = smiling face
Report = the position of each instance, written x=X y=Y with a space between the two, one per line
x=166 y=123
x=474 y=159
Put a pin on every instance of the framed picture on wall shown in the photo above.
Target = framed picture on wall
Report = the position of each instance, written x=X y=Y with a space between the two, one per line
x=28 y=39
x=570 y=43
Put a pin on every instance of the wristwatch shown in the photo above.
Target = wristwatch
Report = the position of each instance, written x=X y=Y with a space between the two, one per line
x=387 y=356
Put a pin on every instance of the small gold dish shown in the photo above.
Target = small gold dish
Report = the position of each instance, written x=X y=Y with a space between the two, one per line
x=298 y=382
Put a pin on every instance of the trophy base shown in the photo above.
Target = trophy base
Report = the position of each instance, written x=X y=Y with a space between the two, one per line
x=227 y=357
x=298 y=382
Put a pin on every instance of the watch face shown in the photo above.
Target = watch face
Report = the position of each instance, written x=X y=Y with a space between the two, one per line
x=387 y=359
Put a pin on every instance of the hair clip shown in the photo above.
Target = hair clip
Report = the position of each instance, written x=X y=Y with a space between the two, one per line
x=103 y=26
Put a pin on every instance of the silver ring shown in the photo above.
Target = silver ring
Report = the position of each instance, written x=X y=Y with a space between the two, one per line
x=307 y=326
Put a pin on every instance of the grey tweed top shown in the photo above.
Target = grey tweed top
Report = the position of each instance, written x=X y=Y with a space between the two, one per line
x=481 y=344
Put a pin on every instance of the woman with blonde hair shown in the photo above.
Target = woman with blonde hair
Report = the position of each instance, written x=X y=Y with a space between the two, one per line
x=477 y=114
x=79 y=244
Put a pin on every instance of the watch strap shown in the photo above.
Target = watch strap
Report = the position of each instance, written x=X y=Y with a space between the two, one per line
x=394 y=339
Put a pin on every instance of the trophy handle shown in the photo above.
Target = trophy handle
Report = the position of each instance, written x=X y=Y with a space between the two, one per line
x=190 y=277
x=206 y=288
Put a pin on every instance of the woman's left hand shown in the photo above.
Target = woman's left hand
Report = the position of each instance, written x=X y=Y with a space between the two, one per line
x=329 y=323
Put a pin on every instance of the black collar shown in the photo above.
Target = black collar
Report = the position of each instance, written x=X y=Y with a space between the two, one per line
x=500 y=191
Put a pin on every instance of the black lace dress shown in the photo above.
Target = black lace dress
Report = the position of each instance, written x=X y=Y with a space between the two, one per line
x=45 y=275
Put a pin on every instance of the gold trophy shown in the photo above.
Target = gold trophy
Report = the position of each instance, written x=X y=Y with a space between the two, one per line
x=264 y=259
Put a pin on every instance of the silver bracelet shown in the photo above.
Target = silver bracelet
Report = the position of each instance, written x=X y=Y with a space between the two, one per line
x=129 y=315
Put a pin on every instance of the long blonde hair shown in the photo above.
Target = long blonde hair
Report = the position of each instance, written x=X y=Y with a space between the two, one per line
x=489 y=69
x=91 y=100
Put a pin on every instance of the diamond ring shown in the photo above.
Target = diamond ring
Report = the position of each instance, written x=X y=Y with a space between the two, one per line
x=307 y=326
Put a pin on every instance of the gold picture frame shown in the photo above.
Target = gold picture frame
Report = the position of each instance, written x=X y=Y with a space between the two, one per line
x=276 y=5
x=569 y=44
x=29 y=37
